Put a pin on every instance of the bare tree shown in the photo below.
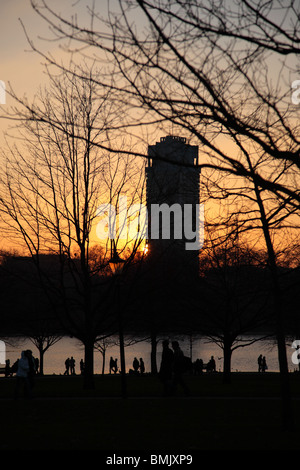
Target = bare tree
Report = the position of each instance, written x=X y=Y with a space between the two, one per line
x=43 y=342
x=234 y=296
x=101 y=345
x=52 y=184
x=205 y=69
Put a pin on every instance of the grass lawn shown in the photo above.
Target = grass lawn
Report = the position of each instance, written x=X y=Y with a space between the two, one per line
x=243 y=415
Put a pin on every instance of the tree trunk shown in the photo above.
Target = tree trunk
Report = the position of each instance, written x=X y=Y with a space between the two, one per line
x=89 y=382
x=227 y=361
x=41 y=365
x=287 y=411
x=153 y=352
x=103 y=362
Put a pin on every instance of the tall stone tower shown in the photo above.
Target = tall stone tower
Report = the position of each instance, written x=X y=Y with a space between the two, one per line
x=173 y=192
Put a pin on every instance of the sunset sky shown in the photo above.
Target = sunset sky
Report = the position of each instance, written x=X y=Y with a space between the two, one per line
x=19 y=66
x=22 y=69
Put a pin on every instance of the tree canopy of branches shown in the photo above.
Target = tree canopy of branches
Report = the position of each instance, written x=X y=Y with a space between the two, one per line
x=52 y=183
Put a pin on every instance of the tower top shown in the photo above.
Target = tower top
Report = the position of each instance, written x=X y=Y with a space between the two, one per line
x=173 y=138
x=172 y=149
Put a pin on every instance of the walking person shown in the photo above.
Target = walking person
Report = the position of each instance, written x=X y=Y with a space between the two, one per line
x=211 y=366
x=37 y=365
x=166 y=368
x=136 y=365
x=142 y=366
x=32 y=370
x=67 y=365
x=7 y=368
x=178 y=368
x=264 y=366
x=111 y=364
x=72 y=365
x=22 y=377
x=259 y=362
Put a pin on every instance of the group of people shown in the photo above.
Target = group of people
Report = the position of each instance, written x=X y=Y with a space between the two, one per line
x=138 y=366
x=70 y=366
x=262 y=363
x=172 y=368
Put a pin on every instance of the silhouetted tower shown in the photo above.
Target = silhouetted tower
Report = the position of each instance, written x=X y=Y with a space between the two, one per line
x=173 y=191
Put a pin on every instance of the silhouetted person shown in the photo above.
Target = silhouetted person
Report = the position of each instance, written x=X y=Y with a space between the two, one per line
x=166 y=368
x=136 y=365
x=14 y=367
x=142 y=366
x=178 y=368
x=211 y=366
x=72 y=365
x=31 y=362
x=81 y=367
x=37 y=364
x=111 y=364
x=116 y=366
x=23 y=377
x=67 y=364
x=7 y=368
x=264 y=364
x=198 y=367
x=259 y=362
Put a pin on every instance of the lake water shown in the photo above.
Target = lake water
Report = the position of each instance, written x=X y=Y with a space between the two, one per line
x=243 y=359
